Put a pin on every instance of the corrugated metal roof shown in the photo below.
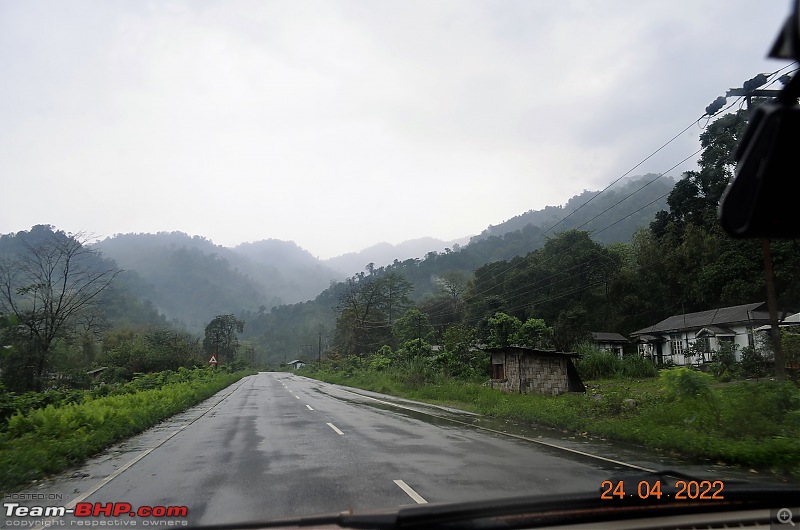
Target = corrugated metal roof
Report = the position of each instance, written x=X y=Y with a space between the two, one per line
x=722 y=316
x=602 y=336
x=532 y=351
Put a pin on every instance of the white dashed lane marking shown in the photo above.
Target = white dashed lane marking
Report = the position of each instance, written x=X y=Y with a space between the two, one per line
x=410 y=491
x=332 y=426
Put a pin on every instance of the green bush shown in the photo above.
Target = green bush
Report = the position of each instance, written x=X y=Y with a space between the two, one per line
x=596 y=364
x=745 y=423
x=724 y=366
x=754 y=363
x=380 y=362
x=685 y=383
x=692 y=389
x=636 y=366
x=12 y=403
x=48 y=439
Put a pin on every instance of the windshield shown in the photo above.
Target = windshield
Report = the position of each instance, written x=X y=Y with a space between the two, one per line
x=273 y=259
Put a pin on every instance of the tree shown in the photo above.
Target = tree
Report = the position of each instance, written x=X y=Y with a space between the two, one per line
x=458 y=339
x=393 y=289
x=413 y=325
x=570 y=327
x=452 y=286
x=360 y=325
x=221 y=337
x=48 y=281
x=503 y=330
x=695 y=198
x=534 y=333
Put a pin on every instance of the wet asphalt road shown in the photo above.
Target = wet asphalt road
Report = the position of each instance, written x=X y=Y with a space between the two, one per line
x=277 y=445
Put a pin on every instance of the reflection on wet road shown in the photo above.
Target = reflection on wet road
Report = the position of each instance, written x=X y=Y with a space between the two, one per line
x=278 y=445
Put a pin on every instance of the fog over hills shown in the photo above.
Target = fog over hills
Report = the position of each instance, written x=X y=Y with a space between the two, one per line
x=385 y=253
x=612 y=216
x=190 y=279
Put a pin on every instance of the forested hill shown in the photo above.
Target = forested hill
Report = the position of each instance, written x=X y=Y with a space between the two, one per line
x=384 y=253
x=440 y=275
x=599 y=213
x=190 y=279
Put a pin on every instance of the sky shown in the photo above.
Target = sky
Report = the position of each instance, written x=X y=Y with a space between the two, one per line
x=341 y=124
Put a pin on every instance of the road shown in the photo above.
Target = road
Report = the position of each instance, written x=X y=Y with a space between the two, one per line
x=276 y=445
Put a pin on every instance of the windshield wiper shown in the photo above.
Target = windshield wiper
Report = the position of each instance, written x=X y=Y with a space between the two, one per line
x=532 y=511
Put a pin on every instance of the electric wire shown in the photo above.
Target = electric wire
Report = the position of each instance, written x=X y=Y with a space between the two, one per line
x=527 y=288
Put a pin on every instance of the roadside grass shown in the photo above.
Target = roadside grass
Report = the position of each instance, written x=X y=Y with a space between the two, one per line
x=42 y=441
x=752 y=424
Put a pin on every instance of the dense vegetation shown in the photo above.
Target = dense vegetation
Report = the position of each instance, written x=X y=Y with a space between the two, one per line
x=37 y=440
x=573 y=277
x=681 y=263
x=83 y=362
x=555 y=294
x=191 y=280
x=78 y=334
x=612 y=216
x=681 y=411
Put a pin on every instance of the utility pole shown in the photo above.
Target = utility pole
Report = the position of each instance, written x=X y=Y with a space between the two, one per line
x=772 y=301
x=419 y=332
x=319 y=348
x=750 y=93
x=772 y=305
x=749 y=89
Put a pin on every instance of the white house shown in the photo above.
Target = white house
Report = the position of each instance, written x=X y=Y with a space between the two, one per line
x=297 y=363
x=671 y=338
x=612 y=342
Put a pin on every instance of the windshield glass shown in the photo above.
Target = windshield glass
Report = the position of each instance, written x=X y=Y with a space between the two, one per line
x=273 y=259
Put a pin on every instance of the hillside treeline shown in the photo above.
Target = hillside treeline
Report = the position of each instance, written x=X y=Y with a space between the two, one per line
x=681 y=262
x=568 y=279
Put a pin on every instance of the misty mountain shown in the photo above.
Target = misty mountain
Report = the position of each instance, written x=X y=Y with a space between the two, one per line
x=119 y=305
x=614 y=215
x=191 y=280
x=285 y=269
x=294 y=329
x=385 y=253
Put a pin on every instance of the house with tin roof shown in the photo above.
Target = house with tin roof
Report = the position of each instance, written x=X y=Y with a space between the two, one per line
x=671 y=339
x=612 y=342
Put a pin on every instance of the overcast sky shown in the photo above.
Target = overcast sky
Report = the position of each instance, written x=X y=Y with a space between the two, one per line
x=340 y=124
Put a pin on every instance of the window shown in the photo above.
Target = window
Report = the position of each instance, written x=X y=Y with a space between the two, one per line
x=676 y=344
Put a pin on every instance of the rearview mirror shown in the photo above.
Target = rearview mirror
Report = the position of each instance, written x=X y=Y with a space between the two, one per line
x=763 y=199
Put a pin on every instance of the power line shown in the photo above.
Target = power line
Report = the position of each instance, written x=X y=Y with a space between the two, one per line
x=491 y=269
x=621 y=200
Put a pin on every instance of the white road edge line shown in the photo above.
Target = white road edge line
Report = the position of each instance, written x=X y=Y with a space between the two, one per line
x=332 y=426
x=409 y=491
x=518 y=436
x=309 y=407
x=119 y=471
